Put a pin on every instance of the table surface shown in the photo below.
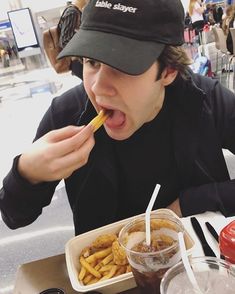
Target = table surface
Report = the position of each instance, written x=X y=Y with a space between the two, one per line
x=52 y=272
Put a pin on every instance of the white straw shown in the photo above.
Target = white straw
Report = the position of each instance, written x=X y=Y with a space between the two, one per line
x=186 y=263
x=148 y=212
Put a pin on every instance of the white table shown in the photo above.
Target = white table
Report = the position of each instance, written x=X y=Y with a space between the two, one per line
x=217 y=220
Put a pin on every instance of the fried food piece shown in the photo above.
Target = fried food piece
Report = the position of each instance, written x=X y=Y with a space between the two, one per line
x=119 y=254
x=121 y=270
x=82 y=273
x=100 y=119
x=106 y=268
x=104 y=241
x=102 y=260
x=89 y=268
x=86 y=251
x=110 y=274
x=107 y=259
x=98 y=255
x=87 y=279
x=93 y=281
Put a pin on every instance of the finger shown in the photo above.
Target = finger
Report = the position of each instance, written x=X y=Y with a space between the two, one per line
x=63 y=133
x=74 y=160
x=68 y=145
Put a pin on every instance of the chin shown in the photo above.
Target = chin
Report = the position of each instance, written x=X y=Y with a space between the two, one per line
x=119 y=135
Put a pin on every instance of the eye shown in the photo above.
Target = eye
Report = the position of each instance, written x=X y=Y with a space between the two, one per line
x=91 y=62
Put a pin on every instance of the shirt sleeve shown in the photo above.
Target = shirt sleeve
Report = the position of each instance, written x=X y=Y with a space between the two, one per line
x=215 y=196
x=20 y=201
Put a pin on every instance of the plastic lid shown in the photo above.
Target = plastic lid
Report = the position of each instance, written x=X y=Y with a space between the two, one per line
x=227 y=241
x=53 y=291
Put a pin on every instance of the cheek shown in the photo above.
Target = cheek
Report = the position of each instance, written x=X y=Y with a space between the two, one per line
x=87 y=82
x=88 y=88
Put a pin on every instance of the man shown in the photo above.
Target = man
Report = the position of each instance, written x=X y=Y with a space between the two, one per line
x=167 y=125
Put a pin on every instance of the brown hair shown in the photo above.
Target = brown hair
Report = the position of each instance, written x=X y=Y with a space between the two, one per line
x=191 y=6
x=176 y=58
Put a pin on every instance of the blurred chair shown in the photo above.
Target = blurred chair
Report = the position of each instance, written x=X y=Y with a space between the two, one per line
x=217 y=46
x=220 y=43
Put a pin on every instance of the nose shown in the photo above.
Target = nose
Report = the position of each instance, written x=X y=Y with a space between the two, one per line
x=104 y=82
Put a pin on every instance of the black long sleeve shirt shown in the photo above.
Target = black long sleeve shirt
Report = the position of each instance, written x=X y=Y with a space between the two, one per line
x=202 y=122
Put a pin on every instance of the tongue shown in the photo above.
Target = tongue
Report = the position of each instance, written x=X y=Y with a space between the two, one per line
x=116 y=119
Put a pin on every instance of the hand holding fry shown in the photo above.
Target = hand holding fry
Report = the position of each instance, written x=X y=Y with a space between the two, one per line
x=57 y=154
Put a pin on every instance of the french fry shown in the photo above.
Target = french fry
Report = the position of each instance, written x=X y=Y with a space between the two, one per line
x=99 y=119
x=89 y=268
x=99 y=254
x=121 y=270
x=110 y=274
x=102 y=260
x=106 y=268
x=107 y=259
x=93 y=281
x=82 y=273
x=98 y=266
x=87 y=279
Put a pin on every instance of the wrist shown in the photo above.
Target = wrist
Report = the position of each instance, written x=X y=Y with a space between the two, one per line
x=23 y=171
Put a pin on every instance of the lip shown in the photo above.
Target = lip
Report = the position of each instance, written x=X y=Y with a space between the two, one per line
x=105 y=107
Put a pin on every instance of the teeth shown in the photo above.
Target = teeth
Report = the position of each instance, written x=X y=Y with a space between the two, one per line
x=99 y=119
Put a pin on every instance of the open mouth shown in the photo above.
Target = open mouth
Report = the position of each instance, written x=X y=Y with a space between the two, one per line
x=116 y=118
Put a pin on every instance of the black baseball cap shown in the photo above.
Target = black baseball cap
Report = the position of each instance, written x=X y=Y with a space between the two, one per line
x=128 y=35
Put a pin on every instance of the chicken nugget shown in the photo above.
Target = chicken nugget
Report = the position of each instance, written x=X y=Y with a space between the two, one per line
x=104 y=241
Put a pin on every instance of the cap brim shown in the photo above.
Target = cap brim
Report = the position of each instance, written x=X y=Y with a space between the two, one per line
x=130 y=56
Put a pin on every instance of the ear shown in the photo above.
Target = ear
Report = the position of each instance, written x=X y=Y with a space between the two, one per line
x=168 y=76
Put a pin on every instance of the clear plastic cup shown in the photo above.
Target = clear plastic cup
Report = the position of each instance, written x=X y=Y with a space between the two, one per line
x=150 y=263
x=214 y=276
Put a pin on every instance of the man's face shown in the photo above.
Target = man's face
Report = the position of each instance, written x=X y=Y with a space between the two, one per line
x=133 y=100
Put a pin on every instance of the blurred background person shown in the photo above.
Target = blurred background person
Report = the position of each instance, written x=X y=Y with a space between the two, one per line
x=227 y=18
x=220 y=12
x=227 y=23
x=210 y=16
x=68 y=26
x=196 y=10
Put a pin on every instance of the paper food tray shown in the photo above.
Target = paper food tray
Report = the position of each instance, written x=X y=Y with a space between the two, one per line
x=117 y=284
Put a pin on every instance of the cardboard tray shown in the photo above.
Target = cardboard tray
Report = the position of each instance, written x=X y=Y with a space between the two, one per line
x=117 y=284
